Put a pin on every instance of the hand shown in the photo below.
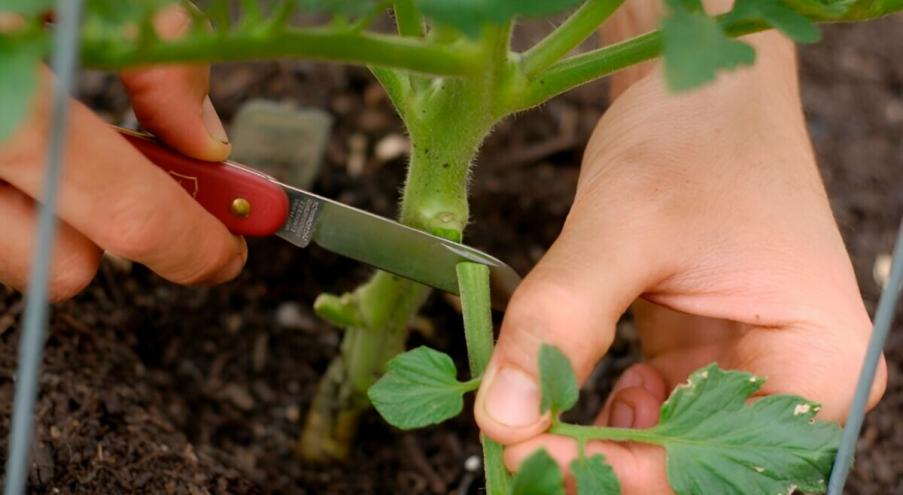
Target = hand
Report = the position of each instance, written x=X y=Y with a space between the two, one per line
x=709 y=208
x=113 y=199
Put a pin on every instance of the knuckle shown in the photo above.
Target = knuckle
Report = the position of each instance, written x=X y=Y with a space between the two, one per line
x=71 y=278
x=544 y=311
x=135 y=227
x=201 y=269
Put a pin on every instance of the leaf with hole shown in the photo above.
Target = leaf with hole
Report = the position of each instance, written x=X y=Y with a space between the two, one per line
x=718 y=443
x=419 y=389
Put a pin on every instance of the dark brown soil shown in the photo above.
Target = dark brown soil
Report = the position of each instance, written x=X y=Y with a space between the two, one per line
x=153 y=388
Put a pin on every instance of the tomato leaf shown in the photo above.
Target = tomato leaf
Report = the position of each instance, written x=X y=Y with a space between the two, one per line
x=594 y=476
x=556 y=380
x=19 y=60
x=696 y=48
x=778 y=15
x=468 y=16
x=538 y=475
x=419 y=389
x=717 y=443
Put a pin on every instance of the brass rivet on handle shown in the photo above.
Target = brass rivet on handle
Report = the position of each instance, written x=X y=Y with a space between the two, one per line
x=241 y=207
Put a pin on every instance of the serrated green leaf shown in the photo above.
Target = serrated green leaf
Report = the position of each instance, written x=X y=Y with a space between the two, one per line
x=556 y=380
x=538 y=475
x=19 y=59
x=469 y=16
x=779 y=16
x=717 y=443
x=419 y=389
x=696 y=48
x=594 y=476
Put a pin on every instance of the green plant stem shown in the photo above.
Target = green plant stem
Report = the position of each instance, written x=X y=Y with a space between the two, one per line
x=435 y=200
x=408 y=19
x=579 y=26
x=580 y=69
x=447 y=119
x=584 y=433
x=380 y=311
x=473 y=284
x=314 y=43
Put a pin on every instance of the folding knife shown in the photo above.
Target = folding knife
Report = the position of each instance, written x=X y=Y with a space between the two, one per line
x=254 y=204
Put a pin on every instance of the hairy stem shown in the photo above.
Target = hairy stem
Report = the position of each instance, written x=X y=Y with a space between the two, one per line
x=579 y=26
x=346 y=46
x=447 y=119
x=473 y=282
x=580 y=69
x=476 y=306
x=435 y=200
x=379 y=312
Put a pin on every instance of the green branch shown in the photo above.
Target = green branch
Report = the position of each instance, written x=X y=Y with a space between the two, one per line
x=408 y=19
x=581 y=69
x=314 y=43
x=586 y=433
x=579 y=26
x=473 y=285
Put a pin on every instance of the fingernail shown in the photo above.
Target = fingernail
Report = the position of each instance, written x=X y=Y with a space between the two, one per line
x=212 y=122
x=629 y=379
x=513 y=398
x=621 y=415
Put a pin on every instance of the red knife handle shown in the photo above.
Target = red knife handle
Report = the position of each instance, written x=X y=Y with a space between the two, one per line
x=247 y=202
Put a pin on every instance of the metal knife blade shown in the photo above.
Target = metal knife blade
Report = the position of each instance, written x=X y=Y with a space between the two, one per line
x=388 y=245
x=249 y=202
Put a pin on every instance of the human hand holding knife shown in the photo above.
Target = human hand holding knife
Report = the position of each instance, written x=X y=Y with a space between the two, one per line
x=251 y=203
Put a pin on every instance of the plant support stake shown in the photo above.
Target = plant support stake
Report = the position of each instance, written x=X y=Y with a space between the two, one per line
x=884 y=319
x=31 y=345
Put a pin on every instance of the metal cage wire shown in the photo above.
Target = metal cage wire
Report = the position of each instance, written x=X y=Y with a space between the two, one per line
x=31 y=344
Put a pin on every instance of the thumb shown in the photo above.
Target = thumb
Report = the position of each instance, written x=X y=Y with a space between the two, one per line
x=571 y=300
x=173 y=101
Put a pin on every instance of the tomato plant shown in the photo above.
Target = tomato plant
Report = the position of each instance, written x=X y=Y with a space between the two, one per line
x=451 y=74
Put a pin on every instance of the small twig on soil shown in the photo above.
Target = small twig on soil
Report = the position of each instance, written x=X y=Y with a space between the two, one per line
x=9 y=317
x=437 y=484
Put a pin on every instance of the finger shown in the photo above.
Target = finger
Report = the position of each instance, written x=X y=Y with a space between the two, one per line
x=817 y=357
x=569 y=301
x=635 y=400
x=173 y=101
x=126 y=205
x=75 y=259
x=640 y=468
x=819 y=363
